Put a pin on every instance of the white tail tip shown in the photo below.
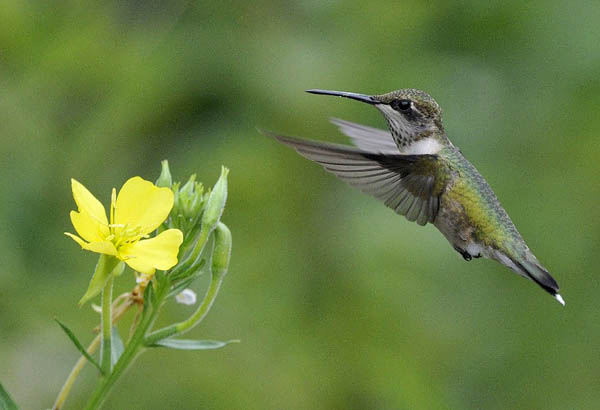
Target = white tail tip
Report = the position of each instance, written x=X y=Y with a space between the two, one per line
x=560 y=299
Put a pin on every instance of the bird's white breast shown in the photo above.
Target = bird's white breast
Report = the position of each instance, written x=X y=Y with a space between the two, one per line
x=424 y=146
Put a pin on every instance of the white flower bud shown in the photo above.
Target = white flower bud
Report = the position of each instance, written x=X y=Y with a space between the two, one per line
x=186 y=297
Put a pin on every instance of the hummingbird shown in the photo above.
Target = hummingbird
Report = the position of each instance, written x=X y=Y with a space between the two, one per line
x=416 y=170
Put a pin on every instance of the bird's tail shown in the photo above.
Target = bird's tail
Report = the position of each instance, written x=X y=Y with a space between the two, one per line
x=529 y=267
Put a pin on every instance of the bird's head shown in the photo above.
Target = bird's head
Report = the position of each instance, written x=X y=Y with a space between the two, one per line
x=411 y=114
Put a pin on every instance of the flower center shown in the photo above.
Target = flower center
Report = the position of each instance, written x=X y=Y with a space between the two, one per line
x=124 y=234
x=121 y=234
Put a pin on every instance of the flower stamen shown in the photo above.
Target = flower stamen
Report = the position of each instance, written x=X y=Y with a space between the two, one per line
x=113 y=205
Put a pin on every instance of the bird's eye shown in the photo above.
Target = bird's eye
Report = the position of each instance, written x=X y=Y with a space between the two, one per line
x=401 y=105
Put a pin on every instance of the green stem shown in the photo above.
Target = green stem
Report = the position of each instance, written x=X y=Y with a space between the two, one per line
x=119 y=311
x=129 y=354
x=106 y=327
x=102 y=390
x=209 y=298
x=194 y=254
x=193 y=320
x=64 y=392
x=219 y=265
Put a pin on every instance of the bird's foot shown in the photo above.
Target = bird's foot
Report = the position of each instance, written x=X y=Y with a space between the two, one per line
x=466 y=255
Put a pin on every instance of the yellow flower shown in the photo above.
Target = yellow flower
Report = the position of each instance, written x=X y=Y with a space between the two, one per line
x=139 y=209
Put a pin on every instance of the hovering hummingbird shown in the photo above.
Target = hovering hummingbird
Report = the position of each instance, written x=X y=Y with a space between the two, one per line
x=415 y=170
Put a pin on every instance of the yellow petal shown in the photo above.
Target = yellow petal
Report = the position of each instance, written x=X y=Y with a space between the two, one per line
x=159 y=252
x=77 y=239
x=142 y=205
x=105 y=247
x=87 y=202
x=87 y=227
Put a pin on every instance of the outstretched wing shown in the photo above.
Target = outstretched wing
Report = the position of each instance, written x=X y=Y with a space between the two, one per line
x=409 y=184
x=367 y=138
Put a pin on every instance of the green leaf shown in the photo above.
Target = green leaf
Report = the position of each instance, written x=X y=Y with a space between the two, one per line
x=162 y=284
x=152 y=295
x=78 y=345
x=149 y=295
x=186 y=344
x=195 y=270
x=118 y=270
x=107 y=265
x=6 y=403
x=148 y=298
x=117 y=346
x=160 y=277
x=183 y=284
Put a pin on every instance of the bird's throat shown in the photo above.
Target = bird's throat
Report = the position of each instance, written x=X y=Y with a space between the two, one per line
x=428 y=145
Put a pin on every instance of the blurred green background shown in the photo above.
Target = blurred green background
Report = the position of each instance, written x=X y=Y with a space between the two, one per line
x=339 y=303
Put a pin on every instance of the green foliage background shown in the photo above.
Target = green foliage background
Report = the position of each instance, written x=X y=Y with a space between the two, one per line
x=339 y=303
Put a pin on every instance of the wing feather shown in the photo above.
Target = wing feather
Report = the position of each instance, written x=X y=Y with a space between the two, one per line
x=367 y=138
x=409 y=184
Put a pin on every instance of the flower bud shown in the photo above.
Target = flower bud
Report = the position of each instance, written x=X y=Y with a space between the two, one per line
x=188 y=203
x=216 y=202
x=164 y=180
x=221 y=251
x=187 y=190
x=186 y=297
x=187 y=196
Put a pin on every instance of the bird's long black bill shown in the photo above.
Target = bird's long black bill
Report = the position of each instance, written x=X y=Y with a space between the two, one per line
x=359 y=97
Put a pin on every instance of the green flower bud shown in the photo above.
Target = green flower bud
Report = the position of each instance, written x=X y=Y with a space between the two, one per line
x=216 y=202
x=176 y=200
x=188 y=204
x=186 y=197
x=191 y=199
x=221 y=251
x=197 y=214
x=188 y=189
x=164 y=180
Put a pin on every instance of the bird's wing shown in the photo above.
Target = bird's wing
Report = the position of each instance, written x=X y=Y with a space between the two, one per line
x=409 y=184
x=367 y=138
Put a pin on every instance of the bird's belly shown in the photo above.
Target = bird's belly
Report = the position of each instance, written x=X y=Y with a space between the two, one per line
x=453 y=223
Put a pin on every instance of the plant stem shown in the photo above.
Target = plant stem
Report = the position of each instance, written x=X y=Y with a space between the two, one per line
x=195 y=252
x=68 y=384
x=199 y=314
x=219 y=265
x=106 y=327
x=65 y=390
x=135 y=322
x=132 y=349
x=209 y=298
